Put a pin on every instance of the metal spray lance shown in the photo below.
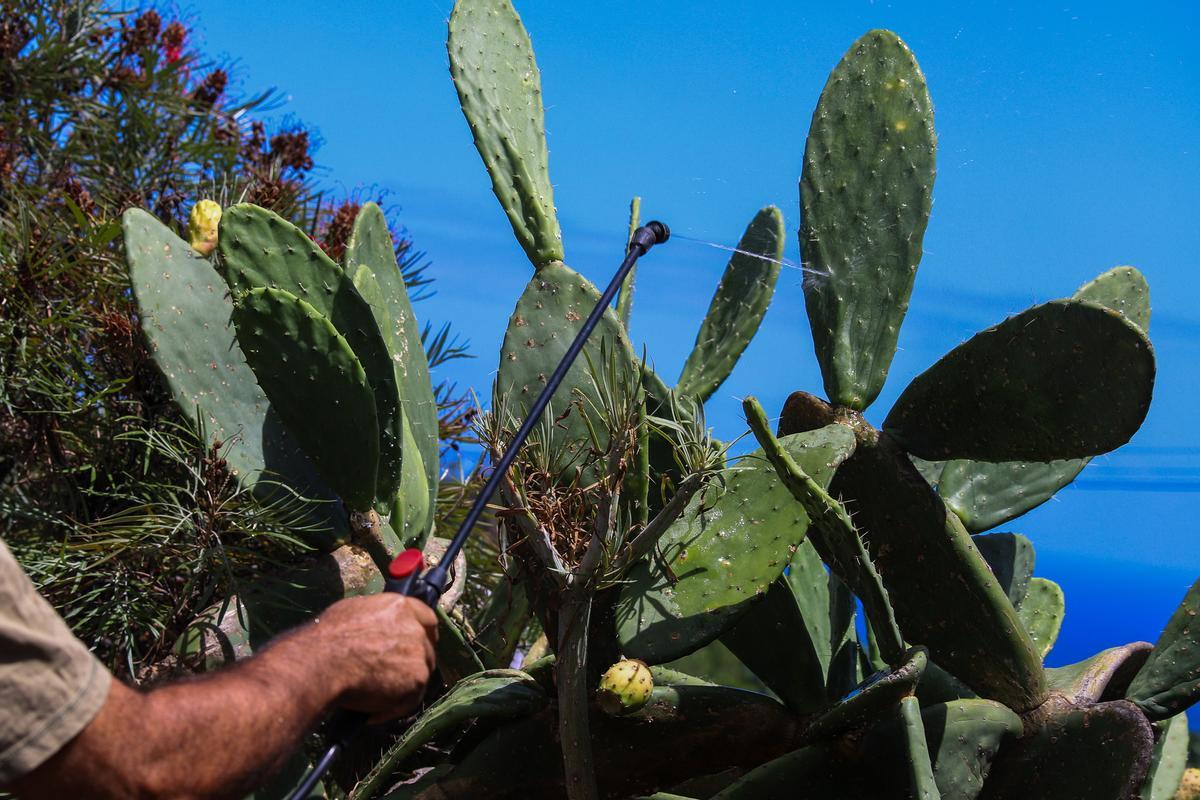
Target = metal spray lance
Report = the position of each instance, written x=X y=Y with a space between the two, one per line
x=404 y=573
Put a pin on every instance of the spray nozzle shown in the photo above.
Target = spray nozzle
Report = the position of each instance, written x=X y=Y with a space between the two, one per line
x=648 y=235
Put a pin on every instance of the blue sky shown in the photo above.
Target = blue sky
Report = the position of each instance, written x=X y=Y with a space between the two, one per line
x=1067 y=145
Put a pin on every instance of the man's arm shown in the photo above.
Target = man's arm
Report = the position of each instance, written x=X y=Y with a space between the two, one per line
x=219 y=735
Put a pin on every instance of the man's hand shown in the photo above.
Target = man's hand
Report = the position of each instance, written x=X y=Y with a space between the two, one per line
x=222 y=734
x=385 y=644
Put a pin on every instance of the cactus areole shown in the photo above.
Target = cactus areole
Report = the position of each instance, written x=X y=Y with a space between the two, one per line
x=404 y=574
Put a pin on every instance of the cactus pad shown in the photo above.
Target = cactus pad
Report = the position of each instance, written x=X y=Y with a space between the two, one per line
x=493 y=695
x=1011 y=558
x=985 y=494
x=730 y=544
x=1041 y=612
x=1065 y=379
x=1170 y=680
x=318 y=386
x=500 y=91
x=371 y=251
x=737 y=307
x=261 y=249
x=873 y=701
x=1104 y=676
x=963 y=737
x=928 y=564
x=865 y=195
x=1169 y=760
x=790 y=639
x=548 y=315
x=1100 y=751
x=184 y=312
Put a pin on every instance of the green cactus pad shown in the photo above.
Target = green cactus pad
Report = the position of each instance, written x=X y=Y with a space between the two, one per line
x=715 y=664
x=1169 y=759
x=791 y=638
x=1170 y=680
x=1124 y=290
x=921 y=782
x=1011 y=558
x=737 y=307
x=500 y=91
x=816 y=768
x=1065 y=379
x=726 y=549
x=625 y=296
x=984 y=494
x=1104 y=676
x=1101 y=751
x=548 y=315
x=681 y=733
x=261 y=249
x=371 y=252
x=412 y=512
x=832 y=534
x=928 y=564
x=184 y=312
x=872 y=702
x=493 y=695
x=317 y=385
x=1041 y=612
x=865 y=195
x=963 y=737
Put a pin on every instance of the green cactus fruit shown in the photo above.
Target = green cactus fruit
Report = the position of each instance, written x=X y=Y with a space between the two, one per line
x=1104 y=676
x=1170 y=680
x=832 y=534
x=371 y=252
x=737 y=307
x=496 y=694
x=871 y=702
x=317 y=385
x=1100 y=751
x=1041 y=612
x=985 y=494
x=203 y=222
x=1065 y=379
x=865 y=195
x=500 y=91
x=928 y=564
x=1169 y=760
x=1189 y=785
x=625 y=296
x=813 y=615
x=625 y=687
x=729 y=545
x=260 y=249
x=1011 y=558
x=549 y=313
x=184 y=313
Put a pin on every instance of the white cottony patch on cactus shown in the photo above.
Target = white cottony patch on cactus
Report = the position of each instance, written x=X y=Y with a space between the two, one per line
x=202 y=226
x=625 y=687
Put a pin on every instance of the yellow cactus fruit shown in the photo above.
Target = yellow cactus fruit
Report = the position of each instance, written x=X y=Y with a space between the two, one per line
x=1189 y=787
x=625 y=687
x=202 y=226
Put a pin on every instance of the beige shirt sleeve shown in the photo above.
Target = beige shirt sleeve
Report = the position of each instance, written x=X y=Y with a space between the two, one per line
x=51 y=686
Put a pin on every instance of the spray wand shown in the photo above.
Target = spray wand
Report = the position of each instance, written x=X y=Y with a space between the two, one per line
x=404 y=575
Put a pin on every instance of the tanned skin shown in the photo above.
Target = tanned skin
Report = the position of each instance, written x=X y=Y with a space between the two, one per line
x=222 y=734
